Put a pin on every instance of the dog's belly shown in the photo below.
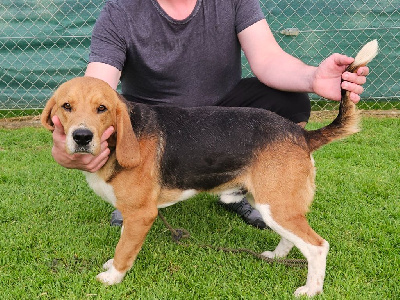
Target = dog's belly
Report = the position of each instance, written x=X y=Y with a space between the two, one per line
x=101 y=188
x=168 y=197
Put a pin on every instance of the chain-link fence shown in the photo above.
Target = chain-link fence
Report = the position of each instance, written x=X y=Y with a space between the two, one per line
x=46 y=42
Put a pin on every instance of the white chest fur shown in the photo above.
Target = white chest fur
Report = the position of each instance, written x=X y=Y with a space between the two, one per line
x=101 y=188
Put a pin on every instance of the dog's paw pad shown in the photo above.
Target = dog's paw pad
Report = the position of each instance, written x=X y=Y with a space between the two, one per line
x=108 y=264
x=111 y=276
x=306 y=291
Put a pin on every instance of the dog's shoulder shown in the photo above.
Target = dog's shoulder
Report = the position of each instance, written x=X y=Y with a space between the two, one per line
x=143 y=119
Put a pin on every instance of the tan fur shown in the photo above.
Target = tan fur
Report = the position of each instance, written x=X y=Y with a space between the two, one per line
x=283 y=177
x=128 y=152
x=169 y=196
x=280 y=178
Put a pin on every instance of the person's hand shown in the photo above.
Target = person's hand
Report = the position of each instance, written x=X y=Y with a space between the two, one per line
x=328 y=78
x=84 y=162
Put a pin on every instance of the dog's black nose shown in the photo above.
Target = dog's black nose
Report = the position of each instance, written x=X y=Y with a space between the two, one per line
x=82 y=136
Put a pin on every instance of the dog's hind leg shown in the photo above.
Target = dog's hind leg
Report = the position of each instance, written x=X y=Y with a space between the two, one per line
x=282 y=250
x=282 y=184
x=311 y=245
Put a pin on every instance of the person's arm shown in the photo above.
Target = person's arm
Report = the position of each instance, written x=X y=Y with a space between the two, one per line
x=86 y=162
x=277 y=69
x=105 y=72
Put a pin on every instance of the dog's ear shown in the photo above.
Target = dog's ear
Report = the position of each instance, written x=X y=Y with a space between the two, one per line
x=48 y=113
x=127 y=150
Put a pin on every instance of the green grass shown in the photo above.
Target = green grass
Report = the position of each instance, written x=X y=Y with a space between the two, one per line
x=16 y=113
x=55 y=233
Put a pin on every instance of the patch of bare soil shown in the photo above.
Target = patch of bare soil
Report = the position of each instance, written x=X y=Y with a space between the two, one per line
x=19 y=122
x=326 y=115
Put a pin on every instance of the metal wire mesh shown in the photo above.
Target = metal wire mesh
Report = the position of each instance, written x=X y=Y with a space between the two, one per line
x=46 y=42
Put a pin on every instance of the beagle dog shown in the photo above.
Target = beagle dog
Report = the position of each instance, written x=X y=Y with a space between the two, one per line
x=161 y=155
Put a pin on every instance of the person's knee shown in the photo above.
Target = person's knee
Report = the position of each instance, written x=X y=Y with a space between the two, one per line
x=299 y=108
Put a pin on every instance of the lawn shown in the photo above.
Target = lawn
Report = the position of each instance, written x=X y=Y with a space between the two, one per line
x=55 y=233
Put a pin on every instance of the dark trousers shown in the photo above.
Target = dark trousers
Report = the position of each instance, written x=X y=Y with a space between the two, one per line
x=250 y=92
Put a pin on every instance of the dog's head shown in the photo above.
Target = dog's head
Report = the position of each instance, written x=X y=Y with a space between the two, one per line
x=86 y=107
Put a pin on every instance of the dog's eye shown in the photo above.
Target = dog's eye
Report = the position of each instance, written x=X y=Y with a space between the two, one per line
x=101 y=109
x=67 y=106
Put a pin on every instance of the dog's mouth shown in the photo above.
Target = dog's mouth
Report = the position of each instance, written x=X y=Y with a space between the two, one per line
x=82 y=150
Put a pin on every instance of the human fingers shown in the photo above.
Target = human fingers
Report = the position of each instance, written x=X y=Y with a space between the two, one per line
x=354 y=89
x=97 y=162
x=354 y=78
x=363 y=71
x=83 y=162
x=90 y=163
x=58 y=135
x=59 y=153
x=57 y=124
x=107 y=133
x=355 y=97
x=342 y=60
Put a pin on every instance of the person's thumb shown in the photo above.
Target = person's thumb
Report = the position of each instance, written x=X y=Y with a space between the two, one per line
x=57 y=125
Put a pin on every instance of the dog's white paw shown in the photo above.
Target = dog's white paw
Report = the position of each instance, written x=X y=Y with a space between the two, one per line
x=108 y=264
x=307 y=291
x=111 y=276
x=269 y=254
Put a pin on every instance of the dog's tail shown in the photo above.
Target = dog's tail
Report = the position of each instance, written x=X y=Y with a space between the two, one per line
x=347 y=121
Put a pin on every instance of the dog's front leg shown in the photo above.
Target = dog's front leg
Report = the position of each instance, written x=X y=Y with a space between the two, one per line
x=136 y=226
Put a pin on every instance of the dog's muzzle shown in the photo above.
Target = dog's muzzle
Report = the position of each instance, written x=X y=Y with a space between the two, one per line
x=82 y=138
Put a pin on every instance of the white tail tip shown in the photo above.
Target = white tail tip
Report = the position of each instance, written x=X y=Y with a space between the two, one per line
x=367 y=53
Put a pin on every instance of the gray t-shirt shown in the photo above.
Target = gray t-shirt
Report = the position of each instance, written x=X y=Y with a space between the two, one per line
x=190 y=62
